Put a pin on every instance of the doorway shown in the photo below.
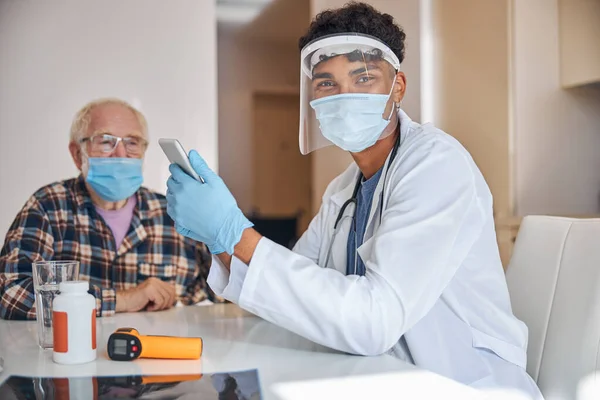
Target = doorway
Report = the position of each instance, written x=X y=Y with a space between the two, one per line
x=282 y=176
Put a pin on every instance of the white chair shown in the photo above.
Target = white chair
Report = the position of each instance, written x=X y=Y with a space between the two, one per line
x=554 y=283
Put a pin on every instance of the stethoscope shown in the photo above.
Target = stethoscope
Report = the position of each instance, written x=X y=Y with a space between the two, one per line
x=354 y=201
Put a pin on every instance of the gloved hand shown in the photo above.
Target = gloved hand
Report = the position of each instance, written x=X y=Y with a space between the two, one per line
x=206 y=212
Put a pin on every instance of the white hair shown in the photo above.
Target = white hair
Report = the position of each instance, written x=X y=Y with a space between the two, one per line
x=82 y=119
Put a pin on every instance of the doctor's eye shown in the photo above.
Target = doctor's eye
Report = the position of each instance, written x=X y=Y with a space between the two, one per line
x=325 y=84
x=365 y=79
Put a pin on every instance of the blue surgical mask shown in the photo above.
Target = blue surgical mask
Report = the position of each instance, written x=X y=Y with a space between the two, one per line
x=114 y=179
x=352 y=121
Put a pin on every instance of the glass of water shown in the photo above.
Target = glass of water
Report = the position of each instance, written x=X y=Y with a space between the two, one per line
x=47 y=275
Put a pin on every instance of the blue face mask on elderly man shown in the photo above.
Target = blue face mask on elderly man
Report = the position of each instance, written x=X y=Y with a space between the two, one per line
x=113 y=178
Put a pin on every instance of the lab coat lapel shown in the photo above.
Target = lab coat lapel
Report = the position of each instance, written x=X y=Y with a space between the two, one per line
x=373 y=222
x=375 y=205
x=384 y=181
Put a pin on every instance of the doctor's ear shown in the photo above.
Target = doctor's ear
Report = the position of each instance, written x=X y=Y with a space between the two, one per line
x=399 y=87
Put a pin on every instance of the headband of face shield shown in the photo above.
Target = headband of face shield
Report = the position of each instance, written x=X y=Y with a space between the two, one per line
x=346 y=84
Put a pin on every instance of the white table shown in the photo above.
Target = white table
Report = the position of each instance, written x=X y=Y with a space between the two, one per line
x=289 y=367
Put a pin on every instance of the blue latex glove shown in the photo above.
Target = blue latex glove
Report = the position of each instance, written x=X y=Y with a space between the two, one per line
x=206 y=212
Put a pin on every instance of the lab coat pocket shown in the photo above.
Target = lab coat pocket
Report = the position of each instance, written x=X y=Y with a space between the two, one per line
x=507 y=351
x=164 y=272
x=442 y=343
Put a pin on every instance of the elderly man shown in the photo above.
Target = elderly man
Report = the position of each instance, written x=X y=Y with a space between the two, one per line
x=120 y=232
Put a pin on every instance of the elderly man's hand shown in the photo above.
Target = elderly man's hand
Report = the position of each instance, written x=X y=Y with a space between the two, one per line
x=152 y=295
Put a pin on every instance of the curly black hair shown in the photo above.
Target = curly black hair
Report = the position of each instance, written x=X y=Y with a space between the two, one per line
x=357 y=17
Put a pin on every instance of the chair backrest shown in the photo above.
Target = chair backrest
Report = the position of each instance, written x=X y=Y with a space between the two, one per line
x=554 y=283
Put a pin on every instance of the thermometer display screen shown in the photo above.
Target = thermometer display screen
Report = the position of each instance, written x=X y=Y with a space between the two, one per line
x=120 y=347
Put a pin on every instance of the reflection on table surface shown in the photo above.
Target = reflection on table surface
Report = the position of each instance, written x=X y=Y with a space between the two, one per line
x=234 y=340
x=240 y=385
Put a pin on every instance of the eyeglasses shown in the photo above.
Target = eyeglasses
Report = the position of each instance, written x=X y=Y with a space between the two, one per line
x=106 y=144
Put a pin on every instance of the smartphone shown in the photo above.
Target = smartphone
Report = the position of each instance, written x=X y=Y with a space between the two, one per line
x=177 y=155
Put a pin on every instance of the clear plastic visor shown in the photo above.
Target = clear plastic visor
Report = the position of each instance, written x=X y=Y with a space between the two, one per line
x=338 y=65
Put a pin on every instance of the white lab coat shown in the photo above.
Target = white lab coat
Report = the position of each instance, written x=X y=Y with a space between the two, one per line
x=433 y=271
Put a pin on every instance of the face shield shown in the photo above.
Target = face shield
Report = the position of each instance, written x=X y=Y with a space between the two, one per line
x=346 y=83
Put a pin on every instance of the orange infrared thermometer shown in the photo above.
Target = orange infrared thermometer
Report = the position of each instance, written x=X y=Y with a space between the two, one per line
x=126 y=344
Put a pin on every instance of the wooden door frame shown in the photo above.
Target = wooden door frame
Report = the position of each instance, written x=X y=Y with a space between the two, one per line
x=276 y=90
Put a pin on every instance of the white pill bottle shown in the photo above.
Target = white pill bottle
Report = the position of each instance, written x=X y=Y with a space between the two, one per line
x=74 y=324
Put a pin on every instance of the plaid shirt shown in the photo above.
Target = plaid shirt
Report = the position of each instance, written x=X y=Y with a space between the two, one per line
x=59 y=222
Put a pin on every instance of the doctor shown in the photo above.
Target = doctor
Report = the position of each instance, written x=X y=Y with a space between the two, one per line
x=402 y=256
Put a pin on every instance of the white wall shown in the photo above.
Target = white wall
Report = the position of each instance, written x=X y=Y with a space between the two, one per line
x=246 y=66
x=330 y=162
x=467 y=79
x=56 y=56
x=556 y=131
